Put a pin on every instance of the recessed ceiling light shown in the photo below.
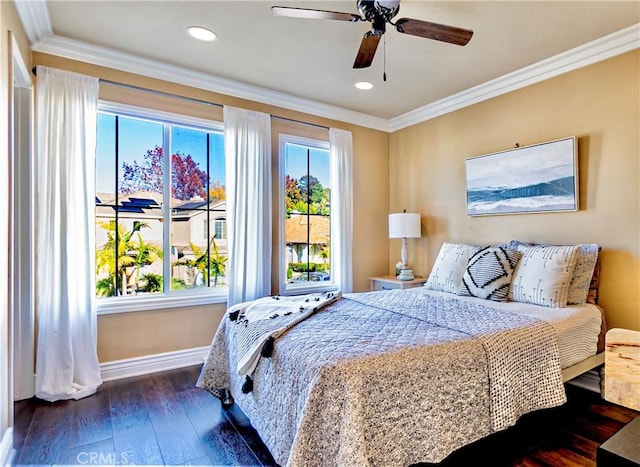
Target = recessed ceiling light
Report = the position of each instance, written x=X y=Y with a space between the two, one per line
x=364 y=85
x=202 y=34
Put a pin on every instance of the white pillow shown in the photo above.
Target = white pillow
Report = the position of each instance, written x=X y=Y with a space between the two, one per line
x=446 y=274
x=543 y=275
x=586 y=258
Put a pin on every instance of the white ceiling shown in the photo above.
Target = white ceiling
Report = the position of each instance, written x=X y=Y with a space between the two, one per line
x=312 y=59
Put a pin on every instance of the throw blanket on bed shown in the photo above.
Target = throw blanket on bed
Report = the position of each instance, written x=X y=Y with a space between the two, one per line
x=267 y=318
x=514 y=344
x=391 y=378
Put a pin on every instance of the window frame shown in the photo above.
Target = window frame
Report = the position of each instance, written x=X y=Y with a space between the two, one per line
x=284 y=287
x=178 y=298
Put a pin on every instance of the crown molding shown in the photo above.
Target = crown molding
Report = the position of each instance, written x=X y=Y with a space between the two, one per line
x=35 y=19
x=600 y=49
x=102 y=56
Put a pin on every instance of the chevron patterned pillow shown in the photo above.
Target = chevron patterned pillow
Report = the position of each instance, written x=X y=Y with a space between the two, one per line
x=488 y=273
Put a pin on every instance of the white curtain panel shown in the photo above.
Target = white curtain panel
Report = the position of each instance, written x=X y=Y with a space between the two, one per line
x=341 y=148
x=247 y=146
x=66 y=360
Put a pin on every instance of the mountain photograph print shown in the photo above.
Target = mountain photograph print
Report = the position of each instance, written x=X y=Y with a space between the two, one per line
x=537 y=178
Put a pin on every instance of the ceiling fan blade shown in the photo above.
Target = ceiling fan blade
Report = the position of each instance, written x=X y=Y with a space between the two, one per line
x=367 y=50
x=438 y=32
x=313 y=14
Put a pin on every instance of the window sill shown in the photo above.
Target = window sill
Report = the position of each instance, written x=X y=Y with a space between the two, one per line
x=108 y=306
x=306 y=289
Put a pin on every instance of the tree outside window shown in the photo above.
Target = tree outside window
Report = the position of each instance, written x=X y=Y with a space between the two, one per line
x=307 y=216
x=156 y=183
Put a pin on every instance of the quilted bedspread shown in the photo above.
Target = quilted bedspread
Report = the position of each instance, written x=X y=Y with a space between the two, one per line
x=391 y=378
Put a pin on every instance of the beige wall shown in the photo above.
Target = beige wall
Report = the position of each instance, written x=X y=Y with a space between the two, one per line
x=10 y=25
x=123 y=335
x=421 y=169
x=129 y=335
x=600 y=105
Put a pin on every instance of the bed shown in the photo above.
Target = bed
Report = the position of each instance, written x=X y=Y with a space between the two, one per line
x=406 y=376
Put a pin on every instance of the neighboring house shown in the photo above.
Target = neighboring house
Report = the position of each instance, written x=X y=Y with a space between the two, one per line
x=188 y=225
x=299 y=228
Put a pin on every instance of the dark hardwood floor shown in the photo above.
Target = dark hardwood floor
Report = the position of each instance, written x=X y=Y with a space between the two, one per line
x=157 y=419
x=163 y=419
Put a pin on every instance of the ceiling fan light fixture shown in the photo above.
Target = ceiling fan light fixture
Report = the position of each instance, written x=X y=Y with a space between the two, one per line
x=202 y=34
x=390 y=4
x=364 y=85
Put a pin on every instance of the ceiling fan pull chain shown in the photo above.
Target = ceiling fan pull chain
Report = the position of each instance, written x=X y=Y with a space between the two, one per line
x=384 y=59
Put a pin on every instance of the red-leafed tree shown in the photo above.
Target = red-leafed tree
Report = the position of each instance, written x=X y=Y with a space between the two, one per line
x=293 y=195
x=187 y=179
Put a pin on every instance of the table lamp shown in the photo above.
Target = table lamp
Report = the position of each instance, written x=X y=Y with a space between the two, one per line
x=404 y=225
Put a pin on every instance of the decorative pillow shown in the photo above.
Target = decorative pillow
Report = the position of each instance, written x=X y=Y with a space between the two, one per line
x=543 y=275
x=488 y=273
x=450 y=264
x=583 y=273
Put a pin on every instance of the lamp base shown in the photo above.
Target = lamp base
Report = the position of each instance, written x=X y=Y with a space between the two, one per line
x=403 y=253
x=406 y=275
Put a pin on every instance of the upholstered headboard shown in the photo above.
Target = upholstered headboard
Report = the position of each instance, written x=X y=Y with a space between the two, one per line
x=592 y=297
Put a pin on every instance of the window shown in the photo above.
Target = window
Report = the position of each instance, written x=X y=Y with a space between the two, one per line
x=305 y=213
x=159 y=196
x=221 y=228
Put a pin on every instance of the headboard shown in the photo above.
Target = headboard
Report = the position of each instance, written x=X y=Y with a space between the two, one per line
x=592 y=297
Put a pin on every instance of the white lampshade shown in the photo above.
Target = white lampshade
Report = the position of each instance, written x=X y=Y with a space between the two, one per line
x=404 y=225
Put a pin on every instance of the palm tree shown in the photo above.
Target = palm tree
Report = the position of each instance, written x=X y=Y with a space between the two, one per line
x=112 y=263
x=206 y=262
x=325 y=254
x=122 y=262
x=217 y=263
x=145 y=253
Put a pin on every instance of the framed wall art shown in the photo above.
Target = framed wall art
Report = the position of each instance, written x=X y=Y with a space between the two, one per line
x=538 y=178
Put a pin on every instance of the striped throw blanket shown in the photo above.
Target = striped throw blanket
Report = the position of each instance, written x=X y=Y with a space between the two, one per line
x=261 y=321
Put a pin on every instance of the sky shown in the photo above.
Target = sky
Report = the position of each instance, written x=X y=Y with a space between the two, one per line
x=296 y=163
x=136 y=136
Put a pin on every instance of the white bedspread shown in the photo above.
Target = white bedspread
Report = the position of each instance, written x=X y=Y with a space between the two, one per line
x=392 y=378
x=577 y=326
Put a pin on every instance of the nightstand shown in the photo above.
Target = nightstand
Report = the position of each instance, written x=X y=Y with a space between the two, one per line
x=392 y=282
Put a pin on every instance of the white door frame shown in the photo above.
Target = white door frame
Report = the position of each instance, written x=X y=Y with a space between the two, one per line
x=21 y=256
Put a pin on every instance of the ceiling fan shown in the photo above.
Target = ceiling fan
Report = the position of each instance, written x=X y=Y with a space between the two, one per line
x=379 y=13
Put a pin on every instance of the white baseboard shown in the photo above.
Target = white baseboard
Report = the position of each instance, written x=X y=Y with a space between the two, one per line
x=6 y=447
x=129 y=367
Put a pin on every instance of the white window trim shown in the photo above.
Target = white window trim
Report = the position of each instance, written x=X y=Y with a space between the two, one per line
x=159 y=116
x=283 y=287
x=177 y=299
